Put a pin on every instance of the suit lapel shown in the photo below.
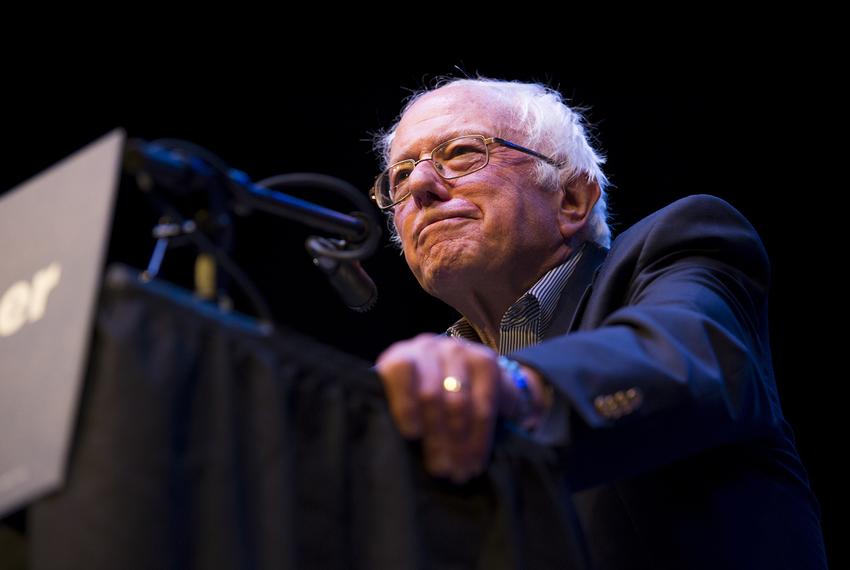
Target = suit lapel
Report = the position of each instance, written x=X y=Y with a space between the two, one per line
x=576 y=291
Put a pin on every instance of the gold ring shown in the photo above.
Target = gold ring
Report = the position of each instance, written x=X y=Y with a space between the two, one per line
x=452 y=384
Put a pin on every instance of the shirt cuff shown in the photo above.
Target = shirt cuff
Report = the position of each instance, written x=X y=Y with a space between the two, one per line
x=554 y=425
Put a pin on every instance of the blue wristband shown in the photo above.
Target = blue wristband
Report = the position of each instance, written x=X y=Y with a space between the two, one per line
x=520 y=380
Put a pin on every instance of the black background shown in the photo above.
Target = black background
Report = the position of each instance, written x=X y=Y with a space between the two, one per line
x=754 y=137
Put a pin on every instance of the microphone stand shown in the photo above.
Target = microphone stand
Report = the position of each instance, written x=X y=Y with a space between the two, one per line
x=186 y=169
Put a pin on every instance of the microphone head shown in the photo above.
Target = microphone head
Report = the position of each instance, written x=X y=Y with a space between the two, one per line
x=351 y=282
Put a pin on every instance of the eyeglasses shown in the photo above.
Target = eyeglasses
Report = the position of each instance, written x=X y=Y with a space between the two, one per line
x=451 y=159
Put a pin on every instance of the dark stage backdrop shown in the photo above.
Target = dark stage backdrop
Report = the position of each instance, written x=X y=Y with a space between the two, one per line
x=748 y=139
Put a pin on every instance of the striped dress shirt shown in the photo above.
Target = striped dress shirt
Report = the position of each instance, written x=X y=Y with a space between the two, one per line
x=525 y=322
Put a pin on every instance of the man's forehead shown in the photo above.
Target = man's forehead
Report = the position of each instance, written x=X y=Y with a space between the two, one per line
x=444 y=114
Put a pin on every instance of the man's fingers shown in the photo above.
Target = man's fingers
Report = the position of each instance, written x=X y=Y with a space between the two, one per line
x=445 y=392
x=456 y=388
x=457 y=409
x=483 y=404
x=432 y=396
x=400 y=374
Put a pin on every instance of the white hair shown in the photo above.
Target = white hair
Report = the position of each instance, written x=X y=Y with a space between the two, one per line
x=548 y=125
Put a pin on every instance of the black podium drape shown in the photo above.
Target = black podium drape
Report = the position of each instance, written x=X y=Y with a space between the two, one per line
x=203 y=443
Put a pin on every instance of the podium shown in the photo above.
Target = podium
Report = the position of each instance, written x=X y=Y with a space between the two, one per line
x=204 y=442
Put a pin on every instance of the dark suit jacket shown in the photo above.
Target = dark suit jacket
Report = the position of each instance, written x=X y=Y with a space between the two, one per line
x=660 y=357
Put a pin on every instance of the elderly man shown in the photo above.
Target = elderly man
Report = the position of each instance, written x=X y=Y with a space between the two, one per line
x=648 y=364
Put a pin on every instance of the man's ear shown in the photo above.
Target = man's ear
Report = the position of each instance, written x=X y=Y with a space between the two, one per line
x=579 y=196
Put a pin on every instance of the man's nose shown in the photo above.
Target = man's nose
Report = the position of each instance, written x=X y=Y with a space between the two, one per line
x=426 y=186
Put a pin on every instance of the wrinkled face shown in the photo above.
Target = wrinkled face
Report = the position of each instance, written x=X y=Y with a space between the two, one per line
x=481 y=225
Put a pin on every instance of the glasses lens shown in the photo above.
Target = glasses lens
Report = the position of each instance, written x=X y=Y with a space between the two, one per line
x=451 y=159
x=391 y=184
x=460 y=156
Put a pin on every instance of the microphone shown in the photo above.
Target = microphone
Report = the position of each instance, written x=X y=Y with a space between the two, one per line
x=351 y=282
x=190 y=171
x=171 y=168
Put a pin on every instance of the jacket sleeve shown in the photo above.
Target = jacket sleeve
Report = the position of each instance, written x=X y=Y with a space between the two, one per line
x=672 y=356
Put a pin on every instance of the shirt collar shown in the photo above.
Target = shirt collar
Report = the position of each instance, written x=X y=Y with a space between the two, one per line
x=540 y=301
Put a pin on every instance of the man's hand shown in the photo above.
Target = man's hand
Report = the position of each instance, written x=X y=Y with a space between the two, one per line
x=454 y=418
